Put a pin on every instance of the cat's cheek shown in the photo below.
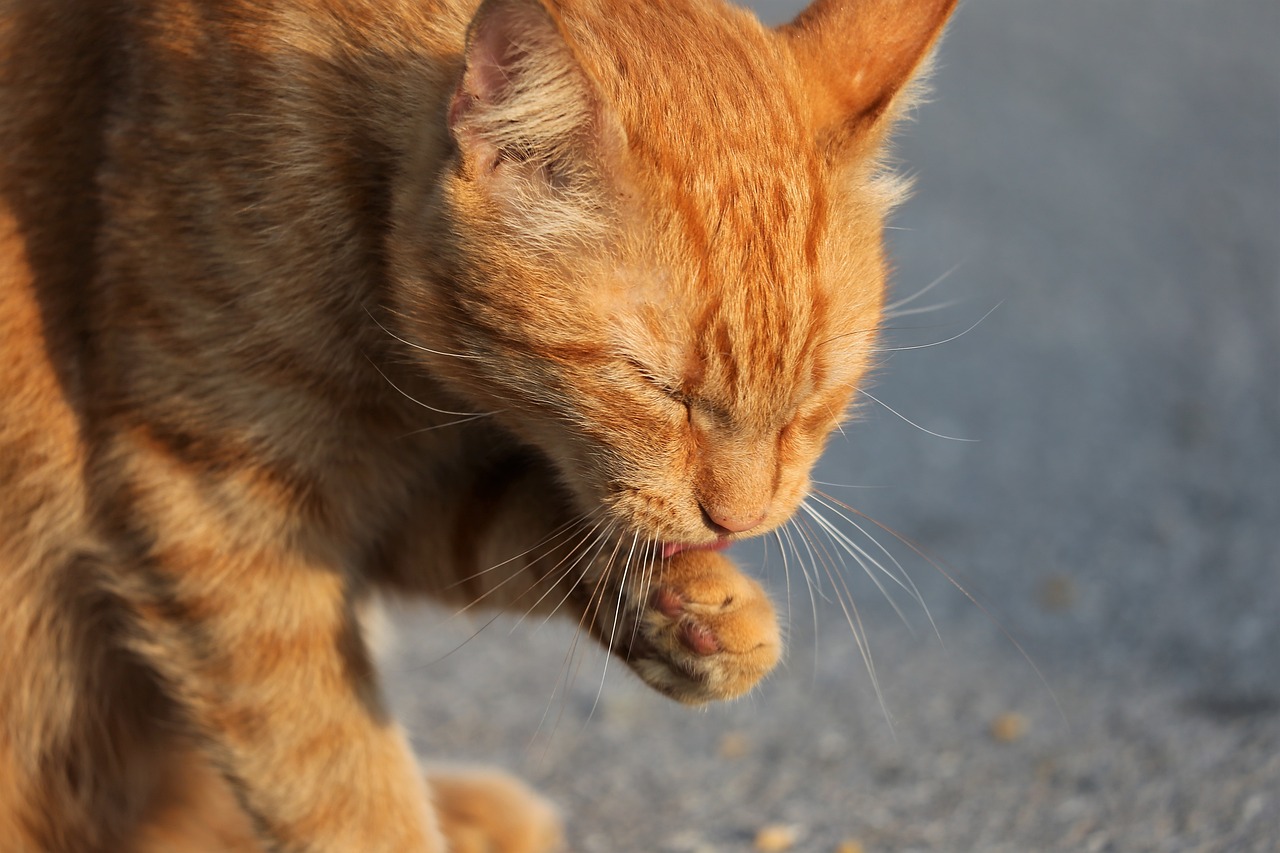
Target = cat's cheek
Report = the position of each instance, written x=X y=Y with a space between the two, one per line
x=796 y=458
x=643 y=472
x=788 y=498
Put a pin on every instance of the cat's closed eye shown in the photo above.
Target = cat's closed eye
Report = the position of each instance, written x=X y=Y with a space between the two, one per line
x=655 y=382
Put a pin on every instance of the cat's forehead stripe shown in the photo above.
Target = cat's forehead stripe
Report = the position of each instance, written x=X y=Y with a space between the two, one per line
x=755 y=363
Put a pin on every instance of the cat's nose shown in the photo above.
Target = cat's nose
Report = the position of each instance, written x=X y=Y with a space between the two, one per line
x=734 y=519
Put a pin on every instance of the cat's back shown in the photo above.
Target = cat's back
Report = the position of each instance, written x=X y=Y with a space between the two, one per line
x=114 y=110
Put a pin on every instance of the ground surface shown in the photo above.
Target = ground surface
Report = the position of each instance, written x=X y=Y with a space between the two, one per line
x=1109 y=174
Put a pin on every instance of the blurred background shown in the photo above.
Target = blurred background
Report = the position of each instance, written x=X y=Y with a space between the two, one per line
x=1105 y=175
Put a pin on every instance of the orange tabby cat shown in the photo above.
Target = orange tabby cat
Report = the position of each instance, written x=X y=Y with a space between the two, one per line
x=537 y=305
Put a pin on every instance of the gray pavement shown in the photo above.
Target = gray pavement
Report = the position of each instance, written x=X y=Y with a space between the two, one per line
x=1108 y=174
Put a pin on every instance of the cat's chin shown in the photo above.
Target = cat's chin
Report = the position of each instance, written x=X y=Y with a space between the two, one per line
x=670 y=549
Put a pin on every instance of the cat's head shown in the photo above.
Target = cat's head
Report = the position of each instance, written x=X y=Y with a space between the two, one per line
x=656 y=239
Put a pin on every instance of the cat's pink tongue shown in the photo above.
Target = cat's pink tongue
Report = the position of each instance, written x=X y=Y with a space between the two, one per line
x=670 y=549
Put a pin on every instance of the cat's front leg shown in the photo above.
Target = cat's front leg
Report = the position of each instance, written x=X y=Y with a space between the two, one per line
x=485 y=810
x=262 y=653
x=696 y=629
x=249 y=619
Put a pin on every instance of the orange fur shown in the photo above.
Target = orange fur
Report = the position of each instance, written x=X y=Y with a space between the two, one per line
x=513 y=305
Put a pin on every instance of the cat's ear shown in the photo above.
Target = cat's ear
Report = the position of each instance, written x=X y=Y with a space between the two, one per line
x=523 y=100
x=860 y=55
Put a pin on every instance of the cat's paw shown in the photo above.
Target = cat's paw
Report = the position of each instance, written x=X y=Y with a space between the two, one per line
x=707 y=632
x=487 y=811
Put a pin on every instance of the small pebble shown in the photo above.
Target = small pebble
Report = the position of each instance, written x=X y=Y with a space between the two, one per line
x=734 y=745
x=1057 y=593
x=777 y=837
x=1009 y=727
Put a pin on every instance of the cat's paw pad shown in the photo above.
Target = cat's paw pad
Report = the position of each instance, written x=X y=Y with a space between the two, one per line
x=487 y=811
x=708 y=632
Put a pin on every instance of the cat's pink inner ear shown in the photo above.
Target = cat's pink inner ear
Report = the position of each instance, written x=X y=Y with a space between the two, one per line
x=490 y=57
x=860 y=54
x=487 y=69
x=515 y=67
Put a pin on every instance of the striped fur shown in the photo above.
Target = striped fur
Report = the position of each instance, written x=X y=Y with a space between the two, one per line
x=530 y=303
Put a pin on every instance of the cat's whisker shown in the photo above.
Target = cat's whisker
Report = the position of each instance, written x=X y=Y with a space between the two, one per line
x=480 y=598
x=809 y=585
x=417 y=346
x=498 y=615
x=622 y=591
x=925 y=309
x=532 y=587
x=817 y=581
x=894 y=306
x=570 y=562
x=599 y=544
x=819 y=553
x=838 y=420
x=903 y=577
x=556 y=576
x=649 y=557
x=459 y=646
x=951 y=579
x=415 y=400
x=786 y=571
x=579 y=522
x=653 y=555
x=568 y=672
x=592 y=611
x=945 y=340
x=894 y=411
x=835 y=536
x=595 y=603
x=599 y=539
x=854 y=619
x=853 y=333
x=435 y=427
x=476 y=601
x=842 y=485
x=613 y=629
x=784 y=620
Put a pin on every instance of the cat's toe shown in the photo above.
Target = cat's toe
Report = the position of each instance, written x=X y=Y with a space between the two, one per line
x=487 y=811
x=698 y=638
x=706 y=635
